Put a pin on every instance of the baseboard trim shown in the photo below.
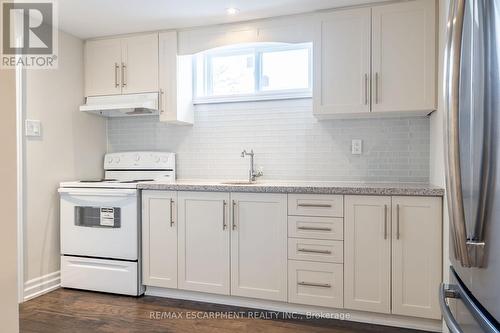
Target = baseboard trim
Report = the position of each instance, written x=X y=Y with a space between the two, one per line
x=41 y=285
x=355 y=316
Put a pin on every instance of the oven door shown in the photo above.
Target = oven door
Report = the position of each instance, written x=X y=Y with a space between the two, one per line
x=99 y=223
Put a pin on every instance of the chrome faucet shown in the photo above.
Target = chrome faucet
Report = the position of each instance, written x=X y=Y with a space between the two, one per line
x=252 y=175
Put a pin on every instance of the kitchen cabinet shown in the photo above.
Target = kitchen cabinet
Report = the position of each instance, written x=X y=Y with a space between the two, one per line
x=176 y=82
x=393 y=255
x=342 y=62
x=416 y=256
x=125 y=65
x=103 y=60
x=159 y=239
x=140 y=64
x=376 y=61
x=404 y=57
x=204 y=235
x=367 y=253
x=259 y=246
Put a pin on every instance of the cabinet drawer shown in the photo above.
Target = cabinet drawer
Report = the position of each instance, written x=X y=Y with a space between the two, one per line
x=315 y=205
x=316 y=250
x=316 y=227
x=315 y=283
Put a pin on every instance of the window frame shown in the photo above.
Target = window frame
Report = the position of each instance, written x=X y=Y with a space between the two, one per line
x=257 y=50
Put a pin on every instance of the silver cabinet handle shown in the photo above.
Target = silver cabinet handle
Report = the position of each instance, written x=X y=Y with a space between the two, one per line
x=172 y=222
x=315 y=205
x=234 y=215
x=315 y=251
x=224 y=225
x=397 y=222
x=160 y=101
x=366 y=89
x=124 y=82
x=385 y=221
x=313 y=284
x=376 y=87
x=116 y=75
x=444 y=293
x=315 y=228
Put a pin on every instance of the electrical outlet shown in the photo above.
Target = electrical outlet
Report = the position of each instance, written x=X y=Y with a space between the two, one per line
x=356 y=147
x=33 y=128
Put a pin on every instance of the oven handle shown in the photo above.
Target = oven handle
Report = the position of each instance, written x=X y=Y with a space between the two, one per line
x=445 y=292
x=99 y=192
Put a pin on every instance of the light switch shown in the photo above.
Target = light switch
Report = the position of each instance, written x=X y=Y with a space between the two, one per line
x=356 y=147
x=33 y=128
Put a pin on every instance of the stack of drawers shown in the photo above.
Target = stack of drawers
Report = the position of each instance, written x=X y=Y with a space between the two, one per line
x=315 y=249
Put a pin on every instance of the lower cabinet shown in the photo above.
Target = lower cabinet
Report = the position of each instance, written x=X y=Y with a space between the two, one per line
x=393 y=255
x=416 y=256
x=315 y=283
x=367 y=253
x=159 y=239
x=204 y=242
x=233 y=244
x=258 y=246
x=373 y=253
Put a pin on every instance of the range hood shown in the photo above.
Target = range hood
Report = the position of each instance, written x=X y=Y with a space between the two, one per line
x=131 y=105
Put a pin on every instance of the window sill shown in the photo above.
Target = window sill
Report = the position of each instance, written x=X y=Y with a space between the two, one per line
x=253 y=98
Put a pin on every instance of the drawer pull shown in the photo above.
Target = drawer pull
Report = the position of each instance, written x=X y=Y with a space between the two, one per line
x=315 y=205
x=312 y=284
x=315 y=251
x=315 y=228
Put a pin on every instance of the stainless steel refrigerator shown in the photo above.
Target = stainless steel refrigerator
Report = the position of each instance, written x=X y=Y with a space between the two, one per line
x=471 y=302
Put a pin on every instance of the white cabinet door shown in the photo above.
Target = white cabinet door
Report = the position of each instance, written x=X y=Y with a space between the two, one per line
x=342 y=63
x=367 y=253
x=102 y=67
x=176 y=91
x=259 y=246
x=404 y=56
x=416 y=256
x=139 y=72
x=204 y=241
x=159 y=239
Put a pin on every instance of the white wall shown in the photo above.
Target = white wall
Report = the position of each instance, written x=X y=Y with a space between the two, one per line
x=71 y=147
x=289 y=143
x=8 y=204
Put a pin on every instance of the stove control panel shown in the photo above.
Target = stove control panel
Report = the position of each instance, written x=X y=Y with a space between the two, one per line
x=139 y=160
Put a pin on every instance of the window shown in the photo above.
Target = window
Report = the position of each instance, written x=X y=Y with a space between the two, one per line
x=253 y=72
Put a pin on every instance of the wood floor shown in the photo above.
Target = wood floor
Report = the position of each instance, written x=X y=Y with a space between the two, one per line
x=65 y=310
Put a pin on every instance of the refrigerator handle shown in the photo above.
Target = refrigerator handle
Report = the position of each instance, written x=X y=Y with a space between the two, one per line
x=451 y=131
x=444 y=293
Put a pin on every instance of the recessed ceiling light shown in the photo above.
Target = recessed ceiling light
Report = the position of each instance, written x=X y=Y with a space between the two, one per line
x=232 y=11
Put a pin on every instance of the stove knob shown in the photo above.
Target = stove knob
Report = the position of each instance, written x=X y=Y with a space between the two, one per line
x=117 y=160
x=110 y=160
x=157 y=159
x=137 y=157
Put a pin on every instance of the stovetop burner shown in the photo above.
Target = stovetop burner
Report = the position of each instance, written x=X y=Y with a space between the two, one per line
x=136 y=181
x=97 y=180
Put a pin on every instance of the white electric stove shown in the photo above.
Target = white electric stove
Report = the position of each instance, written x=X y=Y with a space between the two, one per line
x=100 y=223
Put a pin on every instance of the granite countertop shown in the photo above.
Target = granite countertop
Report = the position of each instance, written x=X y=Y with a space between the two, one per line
x=408 y=189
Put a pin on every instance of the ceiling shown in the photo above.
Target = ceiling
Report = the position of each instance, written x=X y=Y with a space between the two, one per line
x=94 y=18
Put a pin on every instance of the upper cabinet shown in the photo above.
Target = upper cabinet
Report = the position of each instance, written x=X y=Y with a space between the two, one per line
x=126 y=65
x=342 y=63
x=404 y=57
x=176 y=82
x=140 y=64
x=103 y=60
x=376 y=60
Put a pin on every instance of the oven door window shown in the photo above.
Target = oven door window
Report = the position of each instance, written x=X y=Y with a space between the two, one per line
x=98 y=217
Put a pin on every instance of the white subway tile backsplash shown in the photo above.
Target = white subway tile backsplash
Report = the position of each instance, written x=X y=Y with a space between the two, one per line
x=289 y=143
